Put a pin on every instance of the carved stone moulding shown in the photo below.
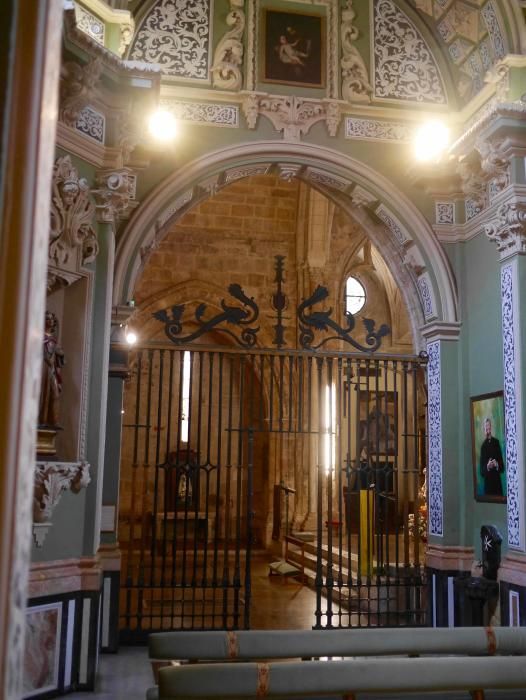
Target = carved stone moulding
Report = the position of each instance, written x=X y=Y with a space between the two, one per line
x=77 y=88
x=73 y=241
x=113 y=194
x=51 y=480
x=291 y=115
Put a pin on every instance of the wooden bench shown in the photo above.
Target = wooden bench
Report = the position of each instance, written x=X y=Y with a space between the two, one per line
x=345 y=678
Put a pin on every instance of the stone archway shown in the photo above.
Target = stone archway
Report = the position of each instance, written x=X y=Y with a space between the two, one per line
x=400 y=232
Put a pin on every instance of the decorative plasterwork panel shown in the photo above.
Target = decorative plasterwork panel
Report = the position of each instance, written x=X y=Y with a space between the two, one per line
x=404 y=67
x=176 y=34
x=92 y=124
x=392 y=223
x=434 y=477
x=293 y=115
x=445 y=212
x=89 y=24
x=512 y=408
x=228 y=56
x=179 y=203
x=248 y=171
x=494 y=30
x=376 y=130
x=254 y=32
x=203 y=112
x=427 y=295
x=472 y=208
x=321 y=177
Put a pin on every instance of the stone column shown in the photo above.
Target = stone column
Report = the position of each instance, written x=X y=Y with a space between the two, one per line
x=31 y=30
x=508 y=231
x=446 y=556
x=112 y=198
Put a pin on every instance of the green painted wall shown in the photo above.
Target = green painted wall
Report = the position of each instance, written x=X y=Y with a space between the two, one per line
x=477 y=268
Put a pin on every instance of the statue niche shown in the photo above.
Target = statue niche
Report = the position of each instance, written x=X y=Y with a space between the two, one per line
x=50 y=387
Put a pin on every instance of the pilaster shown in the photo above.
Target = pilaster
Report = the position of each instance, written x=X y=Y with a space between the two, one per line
x=508 y=231
x=443 y=407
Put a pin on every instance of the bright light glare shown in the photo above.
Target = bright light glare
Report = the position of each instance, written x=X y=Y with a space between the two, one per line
x=430 y=141
x=163 y=125
x=131 y=337
x=329 y=446
x=187 y=368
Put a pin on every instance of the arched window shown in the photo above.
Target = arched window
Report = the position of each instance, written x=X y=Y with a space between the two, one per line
x=354 y=296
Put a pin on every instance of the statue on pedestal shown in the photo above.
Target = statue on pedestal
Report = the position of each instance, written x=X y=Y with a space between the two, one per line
x=50 y=387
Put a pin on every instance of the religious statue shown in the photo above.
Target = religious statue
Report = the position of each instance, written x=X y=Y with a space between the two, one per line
x=51 y=386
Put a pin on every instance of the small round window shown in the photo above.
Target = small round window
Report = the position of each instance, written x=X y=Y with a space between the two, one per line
x=354 y=296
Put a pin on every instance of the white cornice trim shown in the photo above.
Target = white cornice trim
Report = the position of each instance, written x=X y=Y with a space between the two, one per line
x=441 y=331
x=461 y=233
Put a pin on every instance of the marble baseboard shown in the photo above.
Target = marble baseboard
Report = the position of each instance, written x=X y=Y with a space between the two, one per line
x=52 y=578
x=62 y=642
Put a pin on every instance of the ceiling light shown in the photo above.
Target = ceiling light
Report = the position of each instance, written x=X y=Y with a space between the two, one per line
x=131 y=337
x=431 y=141
x=163 y=125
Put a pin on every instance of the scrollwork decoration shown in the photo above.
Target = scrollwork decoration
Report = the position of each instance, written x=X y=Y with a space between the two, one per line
x=355 y=78
x=228 y=57
x=311 y=321
x=232 y=315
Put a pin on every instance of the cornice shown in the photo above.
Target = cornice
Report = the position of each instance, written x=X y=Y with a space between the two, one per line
x=437 y=330
x=461 y=233
x=145 y=75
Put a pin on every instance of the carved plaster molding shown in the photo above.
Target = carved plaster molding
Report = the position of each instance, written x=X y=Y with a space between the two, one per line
x=508 y=229
x=77 y=85
x=473 y=182
x=494 y=163
x=355 y=78
x=71 y=228
x=113 y=192
x=292 y=115
x=51 y=480
x=228 y=56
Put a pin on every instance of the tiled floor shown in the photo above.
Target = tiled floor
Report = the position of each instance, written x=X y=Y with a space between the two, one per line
x=276 y=605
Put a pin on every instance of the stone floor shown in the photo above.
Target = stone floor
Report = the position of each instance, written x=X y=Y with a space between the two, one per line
x=276 y=605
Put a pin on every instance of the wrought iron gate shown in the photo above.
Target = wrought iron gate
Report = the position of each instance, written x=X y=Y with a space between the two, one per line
x=208 y=432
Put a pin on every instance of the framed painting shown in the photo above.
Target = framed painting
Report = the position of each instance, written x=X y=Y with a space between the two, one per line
x=293 y=48
x=377 y=424
x=488 y=447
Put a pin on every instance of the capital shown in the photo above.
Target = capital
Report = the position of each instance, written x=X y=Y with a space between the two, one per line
x=112 y=194
x=508 y=229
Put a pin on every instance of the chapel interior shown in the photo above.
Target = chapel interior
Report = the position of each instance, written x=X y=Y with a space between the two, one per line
x=262 y=275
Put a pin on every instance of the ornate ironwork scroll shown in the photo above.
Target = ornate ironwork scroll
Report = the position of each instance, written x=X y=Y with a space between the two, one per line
x=311 y=321
x=233 y=315
x=279 y=304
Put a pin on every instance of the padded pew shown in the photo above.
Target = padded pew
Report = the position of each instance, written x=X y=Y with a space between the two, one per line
x=332 y=679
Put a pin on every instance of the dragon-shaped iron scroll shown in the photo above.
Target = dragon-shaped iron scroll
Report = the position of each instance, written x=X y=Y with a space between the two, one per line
x=311 y=321
x=233 y=315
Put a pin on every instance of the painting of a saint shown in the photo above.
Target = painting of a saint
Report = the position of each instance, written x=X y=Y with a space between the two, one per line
x=293 y=48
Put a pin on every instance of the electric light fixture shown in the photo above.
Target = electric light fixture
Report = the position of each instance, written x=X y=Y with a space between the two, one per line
x=430 y=141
